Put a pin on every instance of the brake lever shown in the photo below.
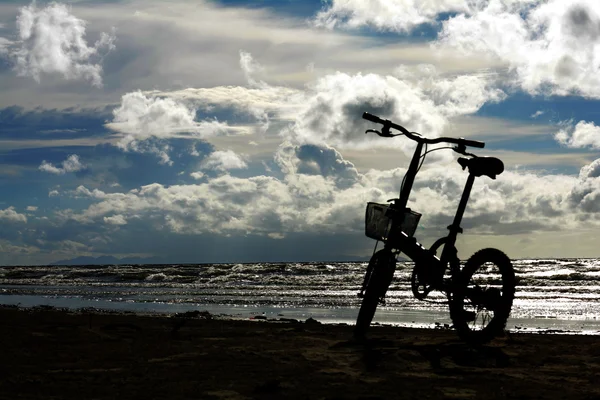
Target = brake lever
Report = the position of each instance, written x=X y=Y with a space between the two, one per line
x=385 y=133
x=462 y=149
x=382 y=134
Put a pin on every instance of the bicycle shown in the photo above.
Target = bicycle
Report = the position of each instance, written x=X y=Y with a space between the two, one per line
x=479 y=305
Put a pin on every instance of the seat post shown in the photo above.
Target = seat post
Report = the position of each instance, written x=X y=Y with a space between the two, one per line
x=455 y=227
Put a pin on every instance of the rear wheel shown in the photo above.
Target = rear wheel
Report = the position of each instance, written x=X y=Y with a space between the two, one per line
x=383 y=265
x=483 y=296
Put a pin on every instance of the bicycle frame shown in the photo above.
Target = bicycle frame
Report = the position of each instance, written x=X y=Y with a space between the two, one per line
x=408 y=245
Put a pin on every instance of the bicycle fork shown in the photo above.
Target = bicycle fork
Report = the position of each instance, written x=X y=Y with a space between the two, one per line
x=379 y=274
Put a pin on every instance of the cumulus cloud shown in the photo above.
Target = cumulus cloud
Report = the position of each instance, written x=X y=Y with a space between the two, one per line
x=262 y=102
x=71 y=164
x=82 y=191
x=326 y=111
x=390 y=15
x=31 y=208
x=52 y=41
x=585 y=194
x=162 y=115
x=147 y=121
x=584 y=134
x=416 y=97
x=320 y=192
x=321 y=160
x=551 y=46
x=142 y=117
x=10 y=215
x=304 y=200
x=223 y=161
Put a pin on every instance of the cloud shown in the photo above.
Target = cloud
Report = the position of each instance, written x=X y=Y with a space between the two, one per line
x=279 y=102
x=584 y=134
x=415 y=97
x=10 y=215
x=310 y=159
x=146 y=122
x=329 y=109
x=4 y=45
x=223 y=161
x=251 y=68
x=32 y=208
x=537 y=114
x=585 y=195
x=322 y=193
x=197 y=175
x=52 y=41
x=550 y=47
x=142 y=116
x=326 y=111
x=71 y=164
x=388 y=15
x=115 y=220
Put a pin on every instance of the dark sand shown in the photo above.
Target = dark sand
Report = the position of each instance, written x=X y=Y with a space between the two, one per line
x=52 y=354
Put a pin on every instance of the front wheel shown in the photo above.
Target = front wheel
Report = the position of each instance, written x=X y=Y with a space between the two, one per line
x=382 y=266
x=483 y=296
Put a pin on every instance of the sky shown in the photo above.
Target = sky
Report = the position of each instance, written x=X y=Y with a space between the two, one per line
x=230 y=131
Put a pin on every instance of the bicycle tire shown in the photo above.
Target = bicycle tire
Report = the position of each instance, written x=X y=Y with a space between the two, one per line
x=493 y=297
x=379 y=281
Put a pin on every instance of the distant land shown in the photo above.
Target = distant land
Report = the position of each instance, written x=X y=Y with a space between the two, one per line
x=110 y=260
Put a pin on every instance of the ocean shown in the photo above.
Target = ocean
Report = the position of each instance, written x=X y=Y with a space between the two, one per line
x=553 y=295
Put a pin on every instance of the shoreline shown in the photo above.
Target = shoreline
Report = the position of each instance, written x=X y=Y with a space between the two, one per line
x=53 y=353
x=406 y=318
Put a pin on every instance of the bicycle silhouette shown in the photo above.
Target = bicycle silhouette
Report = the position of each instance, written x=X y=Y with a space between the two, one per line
x=480 y=294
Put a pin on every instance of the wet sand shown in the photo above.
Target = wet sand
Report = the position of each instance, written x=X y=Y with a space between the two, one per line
x=55 y=354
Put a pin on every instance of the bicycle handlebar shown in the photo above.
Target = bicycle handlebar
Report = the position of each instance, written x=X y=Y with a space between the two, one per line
x=413 y=136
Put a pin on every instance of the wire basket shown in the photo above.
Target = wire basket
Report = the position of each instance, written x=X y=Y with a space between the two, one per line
x=378 y=221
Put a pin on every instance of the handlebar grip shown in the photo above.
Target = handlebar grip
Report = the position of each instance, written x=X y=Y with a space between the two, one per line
x=473 y=143
x=372 y=118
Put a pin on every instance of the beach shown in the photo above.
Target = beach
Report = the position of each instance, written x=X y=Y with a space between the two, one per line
x=50 y=353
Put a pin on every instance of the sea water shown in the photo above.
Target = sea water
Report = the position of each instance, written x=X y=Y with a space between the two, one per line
x=555 y=295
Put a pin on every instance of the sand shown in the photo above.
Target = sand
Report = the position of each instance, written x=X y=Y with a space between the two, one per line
x=56 y=354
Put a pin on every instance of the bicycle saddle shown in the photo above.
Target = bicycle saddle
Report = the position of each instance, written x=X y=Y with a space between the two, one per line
x=478 y=166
